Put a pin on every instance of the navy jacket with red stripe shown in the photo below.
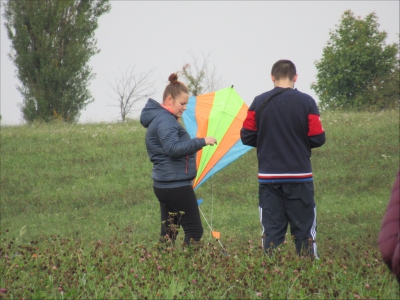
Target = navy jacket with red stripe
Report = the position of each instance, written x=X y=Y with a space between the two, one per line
x=289 y=128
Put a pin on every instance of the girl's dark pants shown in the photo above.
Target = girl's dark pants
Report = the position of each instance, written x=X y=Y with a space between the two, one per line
x=178 y=200
x=288 y=203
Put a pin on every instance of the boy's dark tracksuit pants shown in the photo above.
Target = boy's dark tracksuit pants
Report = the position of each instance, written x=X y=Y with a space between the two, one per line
x=288 y=203
x=176 y=200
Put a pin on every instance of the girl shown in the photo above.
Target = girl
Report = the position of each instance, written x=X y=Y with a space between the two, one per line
x=173 y=154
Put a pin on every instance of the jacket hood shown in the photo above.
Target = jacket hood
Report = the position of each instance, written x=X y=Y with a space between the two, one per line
x=151 y=110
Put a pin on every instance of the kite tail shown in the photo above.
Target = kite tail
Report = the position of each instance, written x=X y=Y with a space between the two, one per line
x=225 y=252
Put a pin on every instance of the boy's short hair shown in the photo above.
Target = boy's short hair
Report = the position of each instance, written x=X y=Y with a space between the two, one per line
x=283 y=69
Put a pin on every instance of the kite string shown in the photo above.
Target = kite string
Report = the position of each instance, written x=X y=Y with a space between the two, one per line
x=210 y=227
x=212 y=176
x=212 y=201
x=205 y=218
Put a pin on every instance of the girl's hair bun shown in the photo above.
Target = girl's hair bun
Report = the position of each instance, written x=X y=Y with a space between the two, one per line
x=173 y=78
x=175 y=87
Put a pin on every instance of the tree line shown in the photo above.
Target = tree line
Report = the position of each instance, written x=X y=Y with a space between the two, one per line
x=52 y=42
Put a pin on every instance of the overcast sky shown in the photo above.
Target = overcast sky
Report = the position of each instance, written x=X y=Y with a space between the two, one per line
x=243 y=38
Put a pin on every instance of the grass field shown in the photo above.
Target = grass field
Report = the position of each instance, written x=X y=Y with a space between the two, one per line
x=79 y=218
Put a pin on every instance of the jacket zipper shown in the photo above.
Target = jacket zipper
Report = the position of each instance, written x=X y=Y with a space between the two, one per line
x=187 y=164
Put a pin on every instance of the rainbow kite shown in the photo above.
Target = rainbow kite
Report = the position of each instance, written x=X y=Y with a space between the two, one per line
x=219 y=114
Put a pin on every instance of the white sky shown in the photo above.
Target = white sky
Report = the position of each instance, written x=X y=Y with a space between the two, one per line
x=244 y=39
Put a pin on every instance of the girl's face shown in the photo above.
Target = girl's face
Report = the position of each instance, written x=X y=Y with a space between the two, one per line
x=178 y=105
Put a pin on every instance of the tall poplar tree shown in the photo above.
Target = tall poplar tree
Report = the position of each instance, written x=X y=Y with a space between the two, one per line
x=52 y=42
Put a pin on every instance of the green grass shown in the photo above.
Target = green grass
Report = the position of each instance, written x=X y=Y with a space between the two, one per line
x=78 y=210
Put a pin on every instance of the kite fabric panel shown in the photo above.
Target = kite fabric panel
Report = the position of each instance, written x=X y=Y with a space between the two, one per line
x=219 y=114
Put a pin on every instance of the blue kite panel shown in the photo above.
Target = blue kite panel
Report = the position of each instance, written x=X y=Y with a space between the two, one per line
x=234 y=153
x=189 y=117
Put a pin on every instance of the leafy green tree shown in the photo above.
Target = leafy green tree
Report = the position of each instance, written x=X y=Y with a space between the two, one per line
x=199 y=76
x=356 y=61
x=383 y=92
x=52 y=43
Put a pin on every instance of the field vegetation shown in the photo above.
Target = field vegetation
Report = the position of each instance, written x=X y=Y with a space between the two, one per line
x=79 y=218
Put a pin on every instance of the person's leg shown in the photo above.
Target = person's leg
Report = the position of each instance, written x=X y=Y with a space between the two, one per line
x=190 y=220
x=301 y=212
x=183 y=202
x=169 y=222
x=272 y=215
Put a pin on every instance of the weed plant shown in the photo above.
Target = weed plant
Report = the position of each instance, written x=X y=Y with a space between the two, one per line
x=79 y=219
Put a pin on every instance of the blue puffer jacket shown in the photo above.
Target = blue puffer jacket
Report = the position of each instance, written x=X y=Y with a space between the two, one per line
x=169 y=146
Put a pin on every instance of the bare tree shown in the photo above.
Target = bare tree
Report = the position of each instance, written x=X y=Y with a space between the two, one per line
x=200 y=77
x=131 y=88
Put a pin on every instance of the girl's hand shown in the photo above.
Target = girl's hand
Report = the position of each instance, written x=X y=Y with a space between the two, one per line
x=210 y=140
